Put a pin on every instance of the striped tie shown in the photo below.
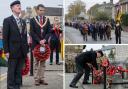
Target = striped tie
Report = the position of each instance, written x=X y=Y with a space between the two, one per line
x=19 y=24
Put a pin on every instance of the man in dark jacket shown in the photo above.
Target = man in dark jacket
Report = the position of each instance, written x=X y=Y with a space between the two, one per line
x=15 y=45
x=39 y=30
x=118 y=30
x=83 y=63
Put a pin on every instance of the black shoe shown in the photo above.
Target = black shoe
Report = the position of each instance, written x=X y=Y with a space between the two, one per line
x=57 y=63
x=17 y=87
x=86 y=83
x=73 y=86
x=51 y=64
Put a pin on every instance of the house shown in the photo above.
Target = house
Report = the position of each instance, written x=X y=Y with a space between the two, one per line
x=120 y=52
x=51 y=13
x=104 y=7
x=123 y=5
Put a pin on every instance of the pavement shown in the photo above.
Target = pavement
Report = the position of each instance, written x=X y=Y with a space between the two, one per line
x=73 y=36
x=53 y=75
x=69 y=77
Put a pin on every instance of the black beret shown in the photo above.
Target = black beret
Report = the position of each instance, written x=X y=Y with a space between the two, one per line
x=14 y=3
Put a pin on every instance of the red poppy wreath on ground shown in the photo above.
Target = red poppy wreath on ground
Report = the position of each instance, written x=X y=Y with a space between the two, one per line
x=26 y=67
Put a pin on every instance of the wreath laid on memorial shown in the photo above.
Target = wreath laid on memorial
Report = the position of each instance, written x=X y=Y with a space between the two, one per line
x=111 y=70
x=26 y=67
x=41 y=53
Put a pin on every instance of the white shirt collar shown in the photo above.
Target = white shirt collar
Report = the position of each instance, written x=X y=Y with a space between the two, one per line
x=39 y=16
x=15 y=17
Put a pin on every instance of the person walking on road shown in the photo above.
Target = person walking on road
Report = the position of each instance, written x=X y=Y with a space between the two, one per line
x=118 y=30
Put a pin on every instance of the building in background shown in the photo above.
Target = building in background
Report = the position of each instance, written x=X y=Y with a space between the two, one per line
x=120 y=52
x=123 y=5
x=104 y=7
x=51 y=13
x=107 y=50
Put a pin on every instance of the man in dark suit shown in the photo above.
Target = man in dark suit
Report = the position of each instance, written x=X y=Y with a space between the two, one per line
x=39 y=30
x=83 y=63
x=15 y=45
x=118 y=30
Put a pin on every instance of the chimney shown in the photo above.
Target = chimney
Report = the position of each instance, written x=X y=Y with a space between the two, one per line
x=104 y=2
x=111 y=1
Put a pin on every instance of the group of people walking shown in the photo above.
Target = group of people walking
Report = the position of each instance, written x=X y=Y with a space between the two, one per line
x=98 y=30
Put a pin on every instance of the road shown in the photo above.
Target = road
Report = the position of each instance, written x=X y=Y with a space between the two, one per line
x=69 y=77
x=73 y=36
x=54 y=79
x=53 y=75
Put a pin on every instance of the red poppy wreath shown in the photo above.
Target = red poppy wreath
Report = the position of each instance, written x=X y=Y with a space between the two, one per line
x=41 y=53
x=26 y=67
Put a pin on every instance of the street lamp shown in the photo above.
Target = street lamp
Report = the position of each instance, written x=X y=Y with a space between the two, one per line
x=61 y=6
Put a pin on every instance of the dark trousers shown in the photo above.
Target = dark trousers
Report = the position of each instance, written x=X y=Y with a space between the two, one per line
x=95 y=36
x=101 y=36
x=87 y=73
x=14 y=76
x=54 y=45
x=85 y=36
x=80 y=72
x=104 y=36
x=118 y=38
x=57 y=56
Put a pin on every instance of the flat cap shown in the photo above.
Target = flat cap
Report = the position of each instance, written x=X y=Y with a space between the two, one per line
x=14 y=3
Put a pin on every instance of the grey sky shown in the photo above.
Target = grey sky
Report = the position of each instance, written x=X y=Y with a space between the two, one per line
x=5 y=6
x=94 y=47
x=88 y=3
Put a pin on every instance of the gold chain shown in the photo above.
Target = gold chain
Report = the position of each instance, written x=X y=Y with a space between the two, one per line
x=39 y=22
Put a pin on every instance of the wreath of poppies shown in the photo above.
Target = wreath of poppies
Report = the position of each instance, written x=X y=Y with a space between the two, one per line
x=26 y=67
x=111 y=70
x=41 y=56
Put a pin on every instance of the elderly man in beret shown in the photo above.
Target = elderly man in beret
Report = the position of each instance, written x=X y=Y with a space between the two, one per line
x=15 y=45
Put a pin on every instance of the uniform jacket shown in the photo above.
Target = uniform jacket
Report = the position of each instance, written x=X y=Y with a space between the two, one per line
x=14 y=42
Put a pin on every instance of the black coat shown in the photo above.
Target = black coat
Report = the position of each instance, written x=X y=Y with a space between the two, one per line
x=55 y=39
x=35 y=31
x=87 y=57
x=118 y=30
x=13 y=41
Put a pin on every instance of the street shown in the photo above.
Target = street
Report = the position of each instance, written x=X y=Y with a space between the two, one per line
x=69 y=77
x=73 y=36
x=53 y=75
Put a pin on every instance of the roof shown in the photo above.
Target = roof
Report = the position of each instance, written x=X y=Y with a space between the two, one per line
x=83 y=15
x=108 y=47
x=122 y=2
x=53 y=11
